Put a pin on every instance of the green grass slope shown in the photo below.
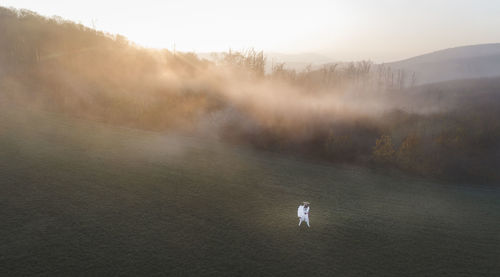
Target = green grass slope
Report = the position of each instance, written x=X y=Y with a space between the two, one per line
x=78 y=197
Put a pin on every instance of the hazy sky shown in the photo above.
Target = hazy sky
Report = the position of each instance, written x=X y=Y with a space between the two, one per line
x=381 y=30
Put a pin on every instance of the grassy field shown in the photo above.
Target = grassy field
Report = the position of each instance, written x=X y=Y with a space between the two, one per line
x=83 y=198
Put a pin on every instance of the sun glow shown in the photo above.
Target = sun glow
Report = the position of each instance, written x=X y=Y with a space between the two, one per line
x=341 y=29
x=204 y=26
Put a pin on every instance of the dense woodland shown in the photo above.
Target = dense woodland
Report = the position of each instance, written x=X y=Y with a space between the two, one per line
x=354 y=112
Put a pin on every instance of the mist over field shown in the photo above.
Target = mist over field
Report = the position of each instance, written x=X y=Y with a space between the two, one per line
x=167 y=162
x=355 y=112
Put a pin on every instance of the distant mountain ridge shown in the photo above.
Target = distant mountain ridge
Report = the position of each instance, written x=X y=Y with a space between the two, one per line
x=466 y=62
x=298 y=61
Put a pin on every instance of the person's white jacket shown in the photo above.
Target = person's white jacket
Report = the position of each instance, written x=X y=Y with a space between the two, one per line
x=303 y=214
x=300 y=211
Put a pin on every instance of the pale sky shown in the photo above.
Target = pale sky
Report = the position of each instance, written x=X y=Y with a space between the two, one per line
x=380 y=30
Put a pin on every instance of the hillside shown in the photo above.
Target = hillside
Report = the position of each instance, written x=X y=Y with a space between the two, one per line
x=120 y=160
x=345 y=114
x=467 y=62
x=78 y=196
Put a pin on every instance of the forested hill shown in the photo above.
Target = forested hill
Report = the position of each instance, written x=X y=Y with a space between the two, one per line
x=29 y=39
x=60 y=65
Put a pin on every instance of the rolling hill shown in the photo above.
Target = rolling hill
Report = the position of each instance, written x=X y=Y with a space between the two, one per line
x=99 y=177
x=467 y=62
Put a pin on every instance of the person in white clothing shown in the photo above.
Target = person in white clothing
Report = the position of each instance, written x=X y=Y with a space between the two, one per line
x=303 y=213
